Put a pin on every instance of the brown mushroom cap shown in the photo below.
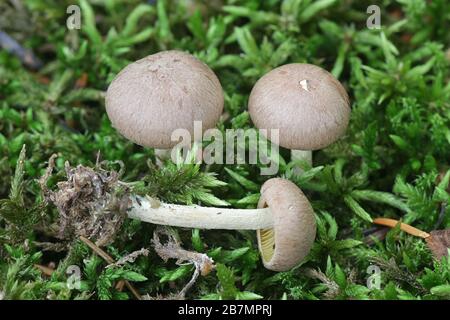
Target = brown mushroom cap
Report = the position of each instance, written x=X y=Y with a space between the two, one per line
x=305 y=102
x=290 y=240
x=160 y=93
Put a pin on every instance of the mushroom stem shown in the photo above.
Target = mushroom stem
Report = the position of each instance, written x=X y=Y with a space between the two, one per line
x=151 y=210
x=179 y=154
x=302 y=155
x=403 y=226
x=161 y=155
x=284 y=223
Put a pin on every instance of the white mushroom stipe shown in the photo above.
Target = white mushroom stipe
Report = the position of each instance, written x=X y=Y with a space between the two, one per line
x=152 y=211
x=301 y=155
x=284 y=221
x=161 y=155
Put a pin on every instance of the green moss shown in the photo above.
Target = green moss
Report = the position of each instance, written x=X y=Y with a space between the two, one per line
x=388 y=163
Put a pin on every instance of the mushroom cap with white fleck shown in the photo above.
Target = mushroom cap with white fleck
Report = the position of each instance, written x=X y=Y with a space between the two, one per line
x=152 y=97
x=305 y=102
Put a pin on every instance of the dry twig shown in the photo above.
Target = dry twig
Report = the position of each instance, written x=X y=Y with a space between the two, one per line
x=438 y=241
x=403 y=226
x=110 y=260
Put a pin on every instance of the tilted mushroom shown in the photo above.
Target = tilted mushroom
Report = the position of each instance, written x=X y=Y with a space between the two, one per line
x=308 y=106
x=152 y=97
x=285 y=221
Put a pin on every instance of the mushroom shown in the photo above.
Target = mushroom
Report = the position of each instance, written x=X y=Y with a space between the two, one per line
x=284 y=221
x=150 y=99
x=308 y=106
x=154 y=96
